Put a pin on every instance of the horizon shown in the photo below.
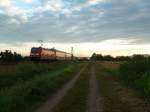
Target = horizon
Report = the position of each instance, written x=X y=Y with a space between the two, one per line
x=108 y=47
x=108 y=27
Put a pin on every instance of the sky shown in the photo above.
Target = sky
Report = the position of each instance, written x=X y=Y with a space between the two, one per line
x=116 y=27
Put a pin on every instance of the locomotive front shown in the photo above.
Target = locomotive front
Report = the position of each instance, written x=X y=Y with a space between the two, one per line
x=35 y=53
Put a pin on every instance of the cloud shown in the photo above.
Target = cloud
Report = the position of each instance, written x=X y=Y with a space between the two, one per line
x=53 y=5
x=4 y=3
x=13 y=21
x=117 y=27
x=85 y=4
x=13 y=12
x=119 y=41
x=74 y=21
x=28 y=1
x=91 y=2
x=71 y=29
x=50 y=5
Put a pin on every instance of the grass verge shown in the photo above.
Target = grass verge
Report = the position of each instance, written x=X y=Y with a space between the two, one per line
x=117 y=97
x=26 y=71
x=21 y=98
x=76 y=99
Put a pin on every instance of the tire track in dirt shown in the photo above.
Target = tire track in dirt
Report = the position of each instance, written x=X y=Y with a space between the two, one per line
x=116 y=96
x=94 y=98
x=55 y=99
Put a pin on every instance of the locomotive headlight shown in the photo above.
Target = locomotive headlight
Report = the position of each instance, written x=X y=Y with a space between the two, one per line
x=37 y=54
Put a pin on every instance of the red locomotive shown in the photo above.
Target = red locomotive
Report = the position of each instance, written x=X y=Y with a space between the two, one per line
x=39 y=53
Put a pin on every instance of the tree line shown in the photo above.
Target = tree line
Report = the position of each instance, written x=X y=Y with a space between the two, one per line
x=135 y=57
x=9 y=56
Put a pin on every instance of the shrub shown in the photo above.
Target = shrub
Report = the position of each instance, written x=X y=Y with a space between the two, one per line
x=137 y=74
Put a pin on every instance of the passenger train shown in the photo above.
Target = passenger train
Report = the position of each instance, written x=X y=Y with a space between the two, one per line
x=44 y=54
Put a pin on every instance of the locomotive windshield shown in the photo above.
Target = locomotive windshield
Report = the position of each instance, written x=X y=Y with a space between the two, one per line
x=35 y=50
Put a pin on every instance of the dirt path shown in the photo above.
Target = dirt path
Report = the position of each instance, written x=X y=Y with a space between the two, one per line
x=116 y=97
x=94 y=98
x=54 y=100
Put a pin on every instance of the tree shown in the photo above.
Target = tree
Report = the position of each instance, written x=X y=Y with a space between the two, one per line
x=9 y=56
x=137 y=57
x=108 y=58
x=93 y=57
x=100 y=57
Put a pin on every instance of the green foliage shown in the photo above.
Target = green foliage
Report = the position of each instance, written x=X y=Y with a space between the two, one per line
x=9 y=56
x=137 y=74
x=100 y=57
x=21 y=72
x=123 y=58
x=135 y=57
x=67 y=71
x=24 y=95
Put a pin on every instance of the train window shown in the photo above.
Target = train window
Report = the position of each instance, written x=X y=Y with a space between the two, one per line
x=34 y=50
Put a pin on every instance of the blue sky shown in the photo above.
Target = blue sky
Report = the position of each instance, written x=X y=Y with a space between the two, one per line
x=71 y=22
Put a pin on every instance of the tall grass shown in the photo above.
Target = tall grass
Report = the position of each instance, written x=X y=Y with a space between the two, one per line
x=22 y=96
x=25 y=71
x=137 y=74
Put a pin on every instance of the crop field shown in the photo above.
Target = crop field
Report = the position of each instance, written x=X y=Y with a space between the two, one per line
x=92 y=86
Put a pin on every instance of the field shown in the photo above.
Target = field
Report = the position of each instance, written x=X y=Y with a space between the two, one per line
x=74 y=87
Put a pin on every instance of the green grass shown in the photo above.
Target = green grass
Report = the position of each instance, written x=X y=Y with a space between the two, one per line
x=25 y=71
x=117 y=97
x=110 y=91
x=76 y=99
x=23 y=96
x=137 y=75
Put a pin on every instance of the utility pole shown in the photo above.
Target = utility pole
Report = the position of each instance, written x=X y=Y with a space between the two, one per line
x=40 y=42
x=71 y=53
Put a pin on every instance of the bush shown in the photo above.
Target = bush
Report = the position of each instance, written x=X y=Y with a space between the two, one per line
x=137 y=74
